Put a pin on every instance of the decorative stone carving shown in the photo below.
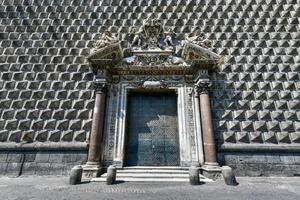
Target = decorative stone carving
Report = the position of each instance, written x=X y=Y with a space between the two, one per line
x=154 y=84
x=198 y=38
x=203 y=87
x=105 y=39
x=149 y=46
x=100 y=85
x=148 y=36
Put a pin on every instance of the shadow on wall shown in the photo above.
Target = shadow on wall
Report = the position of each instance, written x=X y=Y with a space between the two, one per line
x=252 y=106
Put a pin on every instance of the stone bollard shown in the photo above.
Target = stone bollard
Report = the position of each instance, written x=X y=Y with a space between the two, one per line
x=229 y=176
x=75 y=175
x=194 y=175
x=111 y=175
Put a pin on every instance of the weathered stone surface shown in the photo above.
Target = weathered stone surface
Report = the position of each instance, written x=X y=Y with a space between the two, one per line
x=194 y=177
x=111 y=175
x=228 y=176
x=255 y=97
x=75 y=175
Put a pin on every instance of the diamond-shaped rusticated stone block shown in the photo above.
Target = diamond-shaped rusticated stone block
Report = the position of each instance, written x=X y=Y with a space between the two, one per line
x=242 y=137
x=233 y=125
x=4 y=135
x=287 y=126
x=84 y=114
x=75 y=124
x=264 y=115
x=24 y=124
x=5 y=103
x=15 y=136
x=71 y=114
x=273 y=126
x=270 y=137
x=11 y=124
x=67 y=136
x=295 y=137
x=78 y=104
x=80 y=136
x=251 y=115
x=8 y=114
x=239 y=115
x=41 y=136
x=229 y=137
x=290 y=115
x=87 y=124
x=297 y=126
x=62 y=124
x=294 y=104
x=260 y=126
x=247 y=126
x=256 y=137
x=283 y=137
x=54 y=136
x=222 y=125
x=28 y=136
x=37 y=124
x=50 y=124
x=226 y=115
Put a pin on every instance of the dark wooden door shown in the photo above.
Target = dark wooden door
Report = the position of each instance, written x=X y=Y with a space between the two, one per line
x=152 y=130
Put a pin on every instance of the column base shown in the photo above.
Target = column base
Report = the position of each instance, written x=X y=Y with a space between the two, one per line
x=211 y=170
x=91 y=170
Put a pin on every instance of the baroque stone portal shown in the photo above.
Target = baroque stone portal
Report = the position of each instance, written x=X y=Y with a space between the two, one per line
x=153 y=61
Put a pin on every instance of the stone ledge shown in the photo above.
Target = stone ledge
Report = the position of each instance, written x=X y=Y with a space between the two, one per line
x=10 y=146
x=261 y=147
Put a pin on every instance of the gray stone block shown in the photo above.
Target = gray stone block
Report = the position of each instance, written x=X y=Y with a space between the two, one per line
x=42 y=168
x=29 y=168
x=111 y=175
x=229 y=176
x=67 y=136
x=80 y=136
x=41 y=136
x=3 y=157
x=13 y=169
x=3 y=167
x=75 y=175
x=54 y=136
x=42 y=157
x=194 y=177
x=75 y=124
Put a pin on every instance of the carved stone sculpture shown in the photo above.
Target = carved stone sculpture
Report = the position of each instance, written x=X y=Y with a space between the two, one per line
x=105 y=39
x=198 y=38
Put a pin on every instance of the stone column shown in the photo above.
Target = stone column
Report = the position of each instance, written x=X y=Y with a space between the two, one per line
x=198 y=128
x=209 y=146
x=93 y=165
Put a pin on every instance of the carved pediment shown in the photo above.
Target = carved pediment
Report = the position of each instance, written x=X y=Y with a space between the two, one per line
x=153 y=47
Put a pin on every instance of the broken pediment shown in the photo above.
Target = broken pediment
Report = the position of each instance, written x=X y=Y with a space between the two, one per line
x=153 y=48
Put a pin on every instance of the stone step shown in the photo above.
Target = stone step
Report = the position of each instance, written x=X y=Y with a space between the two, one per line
x=152 y=174
x=133 y=179
x=155 y=168
x=149 y=175
x=155 y=171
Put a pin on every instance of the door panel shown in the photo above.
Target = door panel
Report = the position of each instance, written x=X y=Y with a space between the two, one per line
x=152 y=130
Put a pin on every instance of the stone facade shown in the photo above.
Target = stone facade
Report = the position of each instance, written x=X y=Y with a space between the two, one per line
x=46 y=84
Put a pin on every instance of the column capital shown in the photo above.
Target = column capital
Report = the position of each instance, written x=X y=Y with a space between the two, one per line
x=100 y=85
x=203 y=86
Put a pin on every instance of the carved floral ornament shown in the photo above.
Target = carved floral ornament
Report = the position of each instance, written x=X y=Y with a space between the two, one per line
x=152 y=45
